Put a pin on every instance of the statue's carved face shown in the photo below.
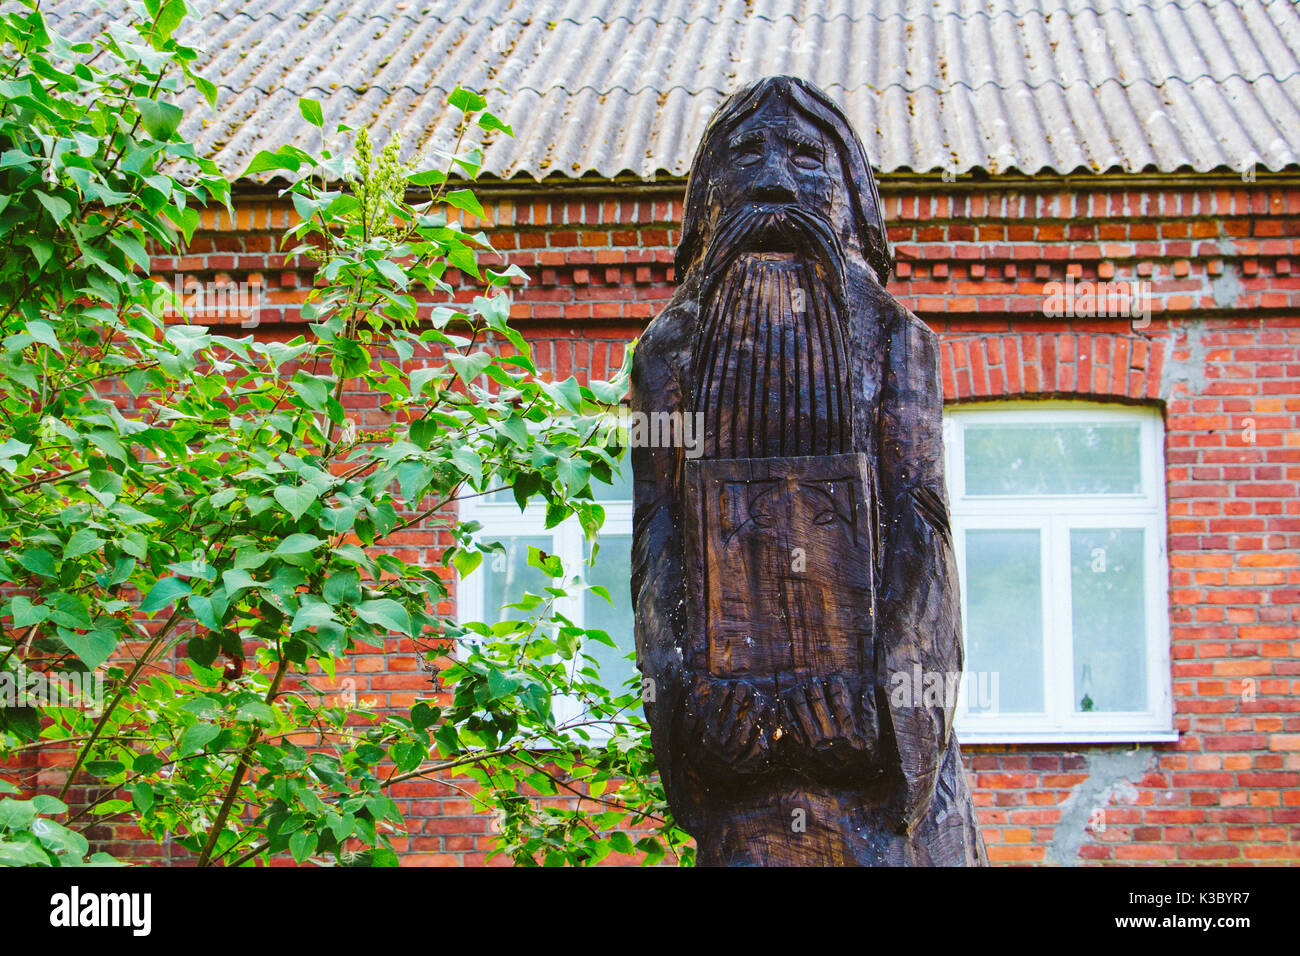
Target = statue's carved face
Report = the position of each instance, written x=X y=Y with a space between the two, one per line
x=780 y=156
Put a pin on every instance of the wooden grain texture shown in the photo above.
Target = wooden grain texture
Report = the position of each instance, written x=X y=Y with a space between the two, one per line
x=801 y=556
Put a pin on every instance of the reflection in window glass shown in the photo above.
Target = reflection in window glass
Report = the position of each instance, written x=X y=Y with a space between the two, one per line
x=1107 y=597
x=620 y=490
x=1004 y=622
x=612 y=570
x=507 y=577
x=1052 y=459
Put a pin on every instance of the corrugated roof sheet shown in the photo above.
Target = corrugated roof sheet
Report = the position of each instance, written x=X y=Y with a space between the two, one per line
x=627 y=86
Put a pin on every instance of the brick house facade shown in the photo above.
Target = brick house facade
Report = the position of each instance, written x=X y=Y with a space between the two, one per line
x=1218 y=361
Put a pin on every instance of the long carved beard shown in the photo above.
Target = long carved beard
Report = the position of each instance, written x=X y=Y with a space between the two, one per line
x=771 y=362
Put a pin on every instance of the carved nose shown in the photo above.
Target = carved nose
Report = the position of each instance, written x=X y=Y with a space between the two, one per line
x=773 y=183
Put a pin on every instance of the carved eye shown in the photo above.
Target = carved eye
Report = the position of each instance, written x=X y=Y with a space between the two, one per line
x=806 y=157
x=746 y=154
x=824 y=517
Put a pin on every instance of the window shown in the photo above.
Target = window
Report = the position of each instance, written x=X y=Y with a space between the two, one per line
x=1059 y=531
x=498 y=580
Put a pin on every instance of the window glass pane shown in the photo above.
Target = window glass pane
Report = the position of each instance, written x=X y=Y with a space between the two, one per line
x=1052 y=459
x=506 y=578
x=1004 y=621
x=1106 y=592
x=612 y=571
x=620 y=490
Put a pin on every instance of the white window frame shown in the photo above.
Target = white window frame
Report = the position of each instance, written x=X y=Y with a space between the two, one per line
x=502 y=518
x=1055 y=516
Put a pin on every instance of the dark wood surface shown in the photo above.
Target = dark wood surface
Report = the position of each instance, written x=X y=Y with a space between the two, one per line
x=800 y=556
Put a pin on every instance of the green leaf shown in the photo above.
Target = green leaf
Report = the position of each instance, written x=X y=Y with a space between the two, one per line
x=286 y=157
x=466 y=200
x=11 y=452
x=41 y=247
x=568 y=393
x=489 y=121
x=298 y=544
x=25 y=613
x=82 y=542
x=500 y=685
x=59 y=839
x=17 y=814
x=514 y=428
x=58 y=208
x=236 y=580
x=574 y=472
x=311 y=111
x=428 y=177
x=391 y=271
x=164 y=593
x=168 y=19
x=467 y=461
x=49 y=806
x=342 y=826
x=248 y=559
x=469 y=367
x=311 y=615
x=466 y=561
x=202 y=650
x=343 y=587
x=302 y=845
x=385 y=613
x=423 y=432
x=42 y=333
x=196 y=737
x=160 y=119
x=413 y=478
x=295 y=499
x=69 y=610
x=424 y=715
x=312 y=389
x=109 y=444
x=550 y=563
x=133 y=249
x=22 y=853
x=467 y=101
x=142 y=796
x=93 y=647
x=136 y=544
x=256 y=711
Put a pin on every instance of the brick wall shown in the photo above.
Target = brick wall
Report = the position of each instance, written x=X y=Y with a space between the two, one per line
x=1220 y=356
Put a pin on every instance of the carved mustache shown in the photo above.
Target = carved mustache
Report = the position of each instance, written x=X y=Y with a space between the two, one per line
x=775 y=227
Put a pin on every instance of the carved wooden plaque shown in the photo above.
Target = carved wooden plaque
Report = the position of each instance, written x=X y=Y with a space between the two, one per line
x=781 y=585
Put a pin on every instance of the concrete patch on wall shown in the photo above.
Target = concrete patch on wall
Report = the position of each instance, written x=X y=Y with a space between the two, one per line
x=1111 y=780
x=1189 y=372
x=1226 y=288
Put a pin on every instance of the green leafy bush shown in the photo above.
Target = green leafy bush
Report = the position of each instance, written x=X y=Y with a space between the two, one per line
x=197 y=515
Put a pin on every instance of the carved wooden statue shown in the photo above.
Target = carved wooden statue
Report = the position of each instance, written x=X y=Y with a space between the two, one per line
x=797 y=554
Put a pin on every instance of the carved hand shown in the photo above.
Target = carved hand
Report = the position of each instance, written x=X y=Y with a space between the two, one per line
x=828 y=726
x=727 y=726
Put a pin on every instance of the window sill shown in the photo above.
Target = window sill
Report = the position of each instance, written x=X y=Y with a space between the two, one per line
x=975 y=738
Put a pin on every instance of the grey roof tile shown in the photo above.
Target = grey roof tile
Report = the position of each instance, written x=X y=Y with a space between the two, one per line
x=627 y=86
